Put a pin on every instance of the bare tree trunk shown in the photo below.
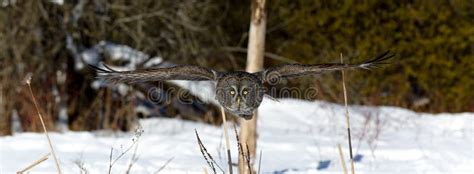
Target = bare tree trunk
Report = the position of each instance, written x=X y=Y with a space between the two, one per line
x=256 y=50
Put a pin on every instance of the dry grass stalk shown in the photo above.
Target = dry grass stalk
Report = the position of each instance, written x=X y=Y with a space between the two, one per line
x=241 y=152
x=247 y=158
x=133 y=160
x=164 y=165
x=80 y=165
x=259 y=161
x=341 y=156
x=110 y=159
x=138 y=133
x=348 y=125
x=227 y=141
x=35 y=163
x=28 y=82
x=207 y=156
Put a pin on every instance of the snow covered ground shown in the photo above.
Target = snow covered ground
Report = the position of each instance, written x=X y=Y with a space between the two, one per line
x=295 y=136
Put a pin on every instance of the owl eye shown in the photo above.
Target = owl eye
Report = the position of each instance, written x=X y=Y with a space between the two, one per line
x=245 y=92
x=232 y=92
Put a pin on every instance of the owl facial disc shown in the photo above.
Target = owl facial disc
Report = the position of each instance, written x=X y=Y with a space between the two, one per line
x=240 y=93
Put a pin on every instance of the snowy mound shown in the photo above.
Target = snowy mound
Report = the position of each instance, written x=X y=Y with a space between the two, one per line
x=294 y=136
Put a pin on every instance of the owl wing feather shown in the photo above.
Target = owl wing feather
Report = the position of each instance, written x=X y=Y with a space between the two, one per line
x=294 y=70
x=180 y=72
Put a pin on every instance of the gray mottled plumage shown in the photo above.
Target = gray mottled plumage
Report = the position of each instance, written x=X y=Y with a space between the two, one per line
x=238 y=92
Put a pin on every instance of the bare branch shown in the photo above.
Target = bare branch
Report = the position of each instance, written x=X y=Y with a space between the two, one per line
x=35 y=163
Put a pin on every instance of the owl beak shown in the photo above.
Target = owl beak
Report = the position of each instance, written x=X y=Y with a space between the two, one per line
x=238 y=103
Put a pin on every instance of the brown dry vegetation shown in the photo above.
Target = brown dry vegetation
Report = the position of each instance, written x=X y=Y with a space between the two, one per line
x=34 y=40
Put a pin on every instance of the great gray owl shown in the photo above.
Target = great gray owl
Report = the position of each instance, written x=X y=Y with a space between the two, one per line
x=240 y=93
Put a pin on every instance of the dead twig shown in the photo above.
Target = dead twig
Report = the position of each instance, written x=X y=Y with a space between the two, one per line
x=133 y=160
x=164 y=165
x=241 y=150
x=35 y=163
x=110 y=158
x=259 y=161
x=247 y=158
x=112 y=161
x=80 y=164
x=207 y=156
x=341 y=156
x=28 y=82
x=227 y=141
x=348 y=125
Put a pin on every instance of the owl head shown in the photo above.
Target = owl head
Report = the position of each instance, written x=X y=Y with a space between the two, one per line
x=240 y=93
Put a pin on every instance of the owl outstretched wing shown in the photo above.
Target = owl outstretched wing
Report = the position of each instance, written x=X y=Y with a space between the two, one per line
x=180 y=72
x=294 y=70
